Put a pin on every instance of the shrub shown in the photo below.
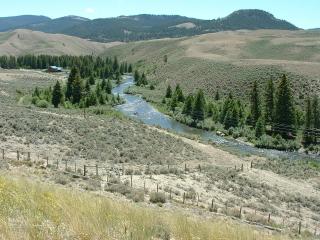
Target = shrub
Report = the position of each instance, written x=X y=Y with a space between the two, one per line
x=156 y=197
x=42 y=104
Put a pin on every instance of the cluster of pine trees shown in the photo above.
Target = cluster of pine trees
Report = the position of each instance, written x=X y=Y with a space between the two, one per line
x=272 y=112
x=140 y=80
x=88 y=65
x=77 y=92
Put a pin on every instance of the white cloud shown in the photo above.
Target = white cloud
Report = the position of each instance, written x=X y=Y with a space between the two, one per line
x=89 y=10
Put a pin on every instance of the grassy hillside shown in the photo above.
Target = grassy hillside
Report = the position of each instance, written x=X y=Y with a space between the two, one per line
x=35 y=211
x=230 y=61
x=22 y=42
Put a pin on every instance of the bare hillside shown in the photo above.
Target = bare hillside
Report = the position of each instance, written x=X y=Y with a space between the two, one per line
x=231 y=60
x=21 y=42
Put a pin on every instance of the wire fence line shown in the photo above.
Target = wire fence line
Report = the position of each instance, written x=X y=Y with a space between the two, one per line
x=125 y=175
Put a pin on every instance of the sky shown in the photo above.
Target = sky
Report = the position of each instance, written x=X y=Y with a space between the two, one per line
x=304 y=14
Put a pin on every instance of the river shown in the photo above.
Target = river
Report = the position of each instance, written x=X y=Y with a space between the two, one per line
x=137 y=108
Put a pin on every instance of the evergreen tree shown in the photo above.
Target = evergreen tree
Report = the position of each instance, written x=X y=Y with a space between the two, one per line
x=115 y=65
x=72 y=76
x=269 y=102
x=198 y=112
x=130 y=69
x=217 y=96
x=102 y=99
x=178 y=92
x=187 y=108
x=260 y=127
x=92 y=81
x=77 y=89
x=284 y=112
x=109 y=87
x=169 y=92
x=56 y=95
x=136 y=76
x=87 y=87
x=173 y=102
x=103 y=84
x=255 y=104
x=316 y=112
x=307 y=133
x=232 y=115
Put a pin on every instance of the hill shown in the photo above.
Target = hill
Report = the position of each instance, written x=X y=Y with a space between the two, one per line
x=57 y=25
x=7 y=23
x=146 y=26
x=230 y=61
x=21 y=42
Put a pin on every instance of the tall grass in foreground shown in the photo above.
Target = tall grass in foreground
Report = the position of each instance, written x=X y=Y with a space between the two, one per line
x=34 y=211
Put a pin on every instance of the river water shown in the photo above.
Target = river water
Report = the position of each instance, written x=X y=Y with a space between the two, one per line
x=137 y=108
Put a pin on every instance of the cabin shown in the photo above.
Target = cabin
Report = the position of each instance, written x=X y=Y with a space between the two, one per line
x=55 y=69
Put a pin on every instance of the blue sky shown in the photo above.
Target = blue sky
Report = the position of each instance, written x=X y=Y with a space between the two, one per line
x=304 y=14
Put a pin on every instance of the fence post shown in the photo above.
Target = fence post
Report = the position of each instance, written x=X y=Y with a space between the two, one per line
x=2 y=154
x=84 y=170
x=47 y=161
x=199 y=168
x=75 y=166
x=57 y=164
x=66 y=165
x=29 y=157
x=251 y=164
x=242 y=167
x=269 y=217
x=240 y=212
x=198 y=199
x=212 y=204
x=131 y=180
x=170 y=193
x=184 y=197
x=157 y=187
x=185 y=167
x=18 y=155
x=97 y=170
x=144 y=186
x=299 y=227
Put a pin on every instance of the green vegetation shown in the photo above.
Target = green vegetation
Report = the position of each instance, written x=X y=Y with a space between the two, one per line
x=268 y=122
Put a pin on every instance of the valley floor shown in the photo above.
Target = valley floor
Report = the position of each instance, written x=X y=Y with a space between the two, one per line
x=198 y=190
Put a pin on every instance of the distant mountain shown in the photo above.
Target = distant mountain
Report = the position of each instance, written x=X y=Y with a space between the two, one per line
x=9 y=23
x=57 y=25
x=144 y=27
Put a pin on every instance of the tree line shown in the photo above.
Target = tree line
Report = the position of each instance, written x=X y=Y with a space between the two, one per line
x=87 y=65
x=272 y=112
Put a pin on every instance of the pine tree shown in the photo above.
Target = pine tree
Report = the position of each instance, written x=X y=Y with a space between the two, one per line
x=284 y=113
x=169 y=92
x=308 y=137
x=87 y=87
x=255 y=104
x=269 y=102
x=109 y=87
x=136 y=76
x=178 y=92
x=115 y=65
x=173 y=103
x=217 y=96
x=316 y=112
x=198 y=112
x=77 y=89
x=260 y=127
x=187 y=108
x=56 y=95
x=103 y=84
x=130 y=69
x=69 y=91
x=92 y=81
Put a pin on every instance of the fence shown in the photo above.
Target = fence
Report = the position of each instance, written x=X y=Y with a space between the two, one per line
x=96 y=172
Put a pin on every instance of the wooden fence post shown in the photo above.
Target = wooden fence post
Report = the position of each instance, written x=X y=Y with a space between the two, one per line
x=57 y=164
x=269 y=217
x=185 y=167
x=170 y=193
x=242 y=167
x=198 y=199
x=75 y=166
x=66 y=165
x=97 y=170
x=199 y=168
x=84 y=170
x=212 y=204
x=2 y=154
x=251 y=164
x=184 y=197
x=18 y=155
x=29 y=157
x=240 y=212
x=157 y=187
x=131 y=180
x=300 y=227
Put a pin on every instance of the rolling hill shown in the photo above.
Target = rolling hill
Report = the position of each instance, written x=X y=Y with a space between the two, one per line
x=22 y=42
x=8 y=23
x=229 y=61
x=146 y=26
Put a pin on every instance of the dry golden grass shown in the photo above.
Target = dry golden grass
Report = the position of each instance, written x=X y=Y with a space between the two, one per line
x=34 y=211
